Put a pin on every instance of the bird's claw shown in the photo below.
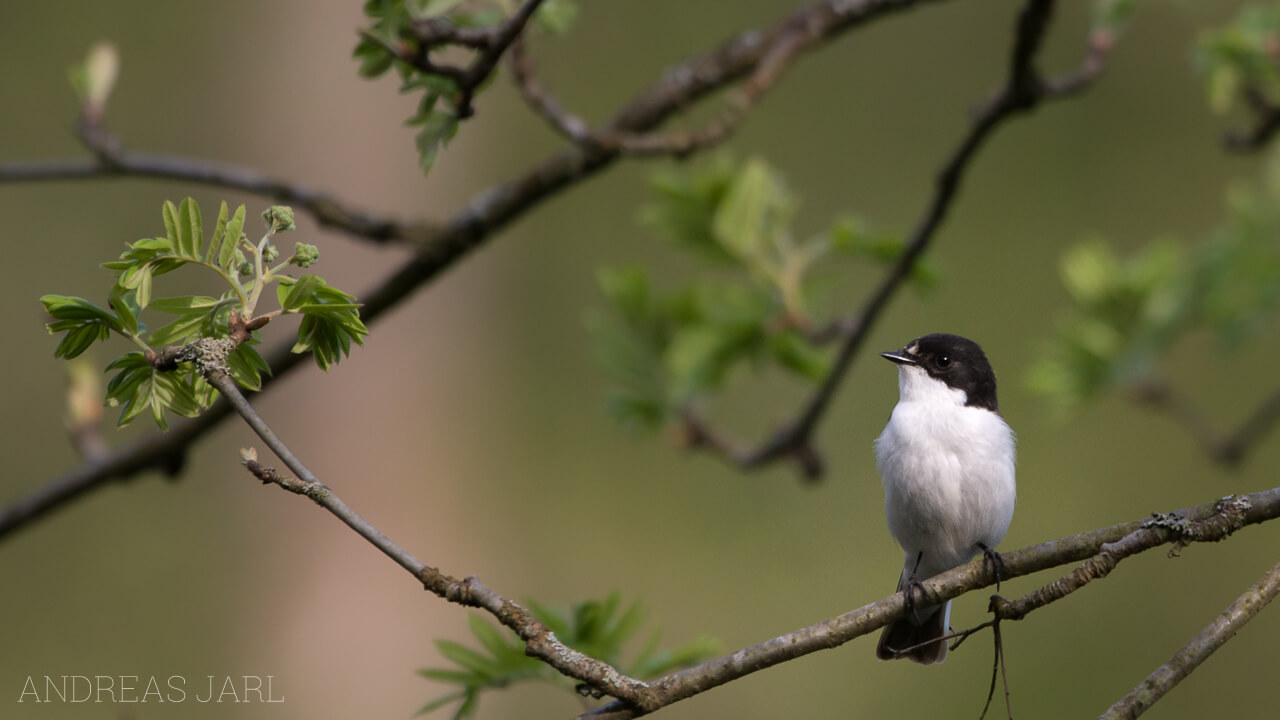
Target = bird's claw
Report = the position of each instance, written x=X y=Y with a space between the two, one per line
x=995 y=561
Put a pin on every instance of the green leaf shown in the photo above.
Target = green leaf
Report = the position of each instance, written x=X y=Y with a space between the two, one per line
x=438 y=129
x=465 y=657
x=183 y=305
x=128 y=316
x=144 y=285
x=219 y=232
x=752 y=213
x=180 y=331
x=83 y=322
x=491 y=638
x=298 y=293
x=171 y=226
x=246 y=367
x=428 y=8
x=235 y=229
x=190 y=234
x=557 y=16
x=440 y=702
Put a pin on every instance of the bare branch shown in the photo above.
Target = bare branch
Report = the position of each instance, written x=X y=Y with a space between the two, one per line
x=1211 y=522
x=486 y=214
x=121 y=163
x=1266 y=124
x=1167 y=676
x=540 y=642
x=1227 y=448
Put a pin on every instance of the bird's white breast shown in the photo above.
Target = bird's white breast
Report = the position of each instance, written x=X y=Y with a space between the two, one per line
x=948 y=473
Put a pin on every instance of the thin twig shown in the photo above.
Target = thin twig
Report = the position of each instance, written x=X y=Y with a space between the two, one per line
x=1266 y=125
x=326 y=209
x=1183 y=662
x=1023 y=90
x=490 y=44
x=438 y=249
x=540 y=642
x=1228 y=448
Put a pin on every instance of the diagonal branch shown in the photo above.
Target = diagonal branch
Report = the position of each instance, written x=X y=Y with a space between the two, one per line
x=539 y=640
x=1023 y=90
x=490 y=211
x=1208 y=523
x=1227 y=448
x=1167 y=676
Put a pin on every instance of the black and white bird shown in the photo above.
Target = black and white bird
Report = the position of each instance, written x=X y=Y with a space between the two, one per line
x=947 y=461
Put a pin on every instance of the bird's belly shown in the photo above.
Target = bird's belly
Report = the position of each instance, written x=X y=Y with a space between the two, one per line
x=945 y=492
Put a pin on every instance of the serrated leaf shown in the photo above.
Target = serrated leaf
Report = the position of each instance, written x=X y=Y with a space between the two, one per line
x=490 y=637
x=144 y=285
x=190 y=234
x=184 y=304
x=437 y=130
x=235 y=228
x=299 y=292
x=183 y=329
x=170 y=214
x=465 y=657
x=747 y=219
x=219 y=232
x=83 y=322
x=246 y=366
x=440 y=702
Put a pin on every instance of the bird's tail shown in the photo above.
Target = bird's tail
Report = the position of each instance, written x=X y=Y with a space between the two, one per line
x=918 y=641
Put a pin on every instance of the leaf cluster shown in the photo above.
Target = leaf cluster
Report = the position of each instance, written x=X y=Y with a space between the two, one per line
x=599 y=629
x=757 y=306
x=1242 y=58
x=390 y=38
x=1128 y=313
x=331 y=320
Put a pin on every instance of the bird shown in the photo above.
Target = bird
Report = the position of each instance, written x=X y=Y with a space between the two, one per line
x=946 y=458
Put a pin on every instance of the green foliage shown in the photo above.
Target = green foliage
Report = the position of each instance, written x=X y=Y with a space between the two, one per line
x=665 y=350
x=390 y=39
x=1241 y=58
x=598 y=629
x=1127 y=314
x=330 y=317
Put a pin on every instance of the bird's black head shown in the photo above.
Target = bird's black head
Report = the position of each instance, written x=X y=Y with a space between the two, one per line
x=956 y=361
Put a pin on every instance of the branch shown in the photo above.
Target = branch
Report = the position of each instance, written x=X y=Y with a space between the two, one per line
x=1023 y=91
x=803 y=30
x=490 y=43
x=121 y=163
x=679 y=88
x=1226 y=448
x=1164 y=678
x=540 y=642
x=1204 y=523
x=1266 y=125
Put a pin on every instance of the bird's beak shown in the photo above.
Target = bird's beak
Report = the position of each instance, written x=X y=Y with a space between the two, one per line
x=899 y=356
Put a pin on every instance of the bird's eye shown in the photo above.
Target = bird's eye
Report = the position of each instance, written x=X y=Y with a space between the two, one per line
x=943 y=360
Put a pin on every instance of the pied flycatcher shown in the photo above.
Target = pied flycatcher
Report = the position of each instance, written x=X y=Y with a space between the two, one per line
x=946 y=457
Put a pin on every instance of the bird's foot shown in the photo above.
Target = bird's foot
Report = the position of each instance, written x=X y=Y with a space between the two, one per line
x=909 y=591
x=992 y=558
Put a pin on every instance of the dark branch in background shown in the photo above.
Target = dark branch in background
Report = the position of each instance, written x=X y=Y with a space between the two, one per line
x=490 y=43
x=1266 y=124
x=112 y=161
x=1210 y=522
x=1229 y=449
x=1023 y=90
x=680 y=87
x=796 y=35
x=1164 y=678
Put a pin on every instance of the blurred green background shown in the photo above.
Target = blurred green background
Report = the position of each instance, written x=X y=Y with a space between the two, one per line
x=471 y=429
